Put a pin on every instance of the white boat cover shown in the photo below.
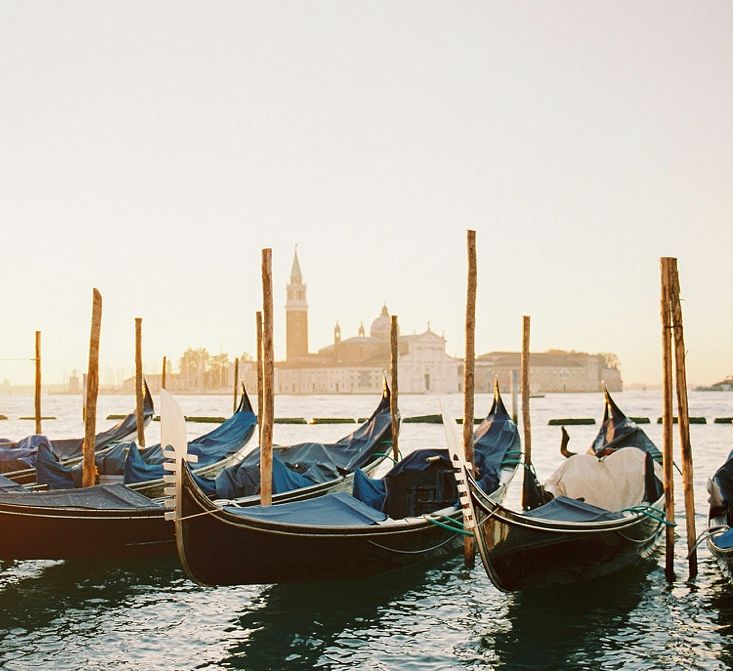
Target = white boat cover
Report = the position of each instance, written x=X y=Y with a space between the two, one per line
x=613 y=483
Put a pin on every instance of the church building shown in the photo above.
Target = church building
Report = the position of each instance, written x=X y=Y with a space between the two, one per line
x=357 y=365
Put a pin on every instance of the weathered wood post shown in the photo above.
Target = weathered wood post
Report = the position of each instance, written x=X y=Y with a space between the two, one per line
x=259 y=375
x=139 y=417
x=236 y=382
x=683 y=413
x=162 y=377
x=89 y=468
x=667 y=444
x=84 y=388
x=526 y=424
x=393 y=406
x=268 y=380
x=38 y=382
x=468 y=374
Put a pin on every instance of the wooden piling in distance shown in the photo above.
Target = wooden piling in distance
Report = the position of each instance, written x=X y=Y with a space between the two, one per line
x=259 y=375
x=468 y=373
x=139 y=417
x=526 y=424
x=514 y=376
x=683 y=414
x=393 y=406
x=89 y=468
x=236 y=382
x=38 y=382
x=268 y=382
x=667 y=440
x=162 y=377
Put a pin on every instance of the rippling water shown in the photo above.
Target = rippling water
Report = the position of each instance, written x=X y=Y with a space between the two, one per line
x=72 y=615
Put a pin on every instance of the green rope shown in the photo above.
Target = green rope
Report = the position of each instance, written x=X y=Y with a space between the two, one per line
x=388 y=456
x=651 y=513
x=449 y=527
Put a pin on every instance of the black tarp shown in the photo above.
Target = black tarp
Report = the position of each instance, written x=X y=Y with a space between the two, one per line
x=99 y=497
x=618 y=431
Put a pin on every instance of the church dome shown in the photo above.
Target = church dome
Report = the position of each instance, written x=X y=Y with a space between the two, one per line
x=381 y=327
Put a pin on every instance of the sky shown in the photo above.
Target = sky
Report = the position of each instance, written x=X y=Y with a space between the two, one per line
x=152 y=149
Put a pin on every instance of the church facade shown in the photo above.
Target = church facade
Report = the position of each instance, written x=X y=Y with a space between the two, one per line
x=358 y=364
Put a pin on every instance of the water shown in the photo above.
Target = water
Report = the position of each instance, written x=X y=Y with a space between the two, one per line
x=114 y=615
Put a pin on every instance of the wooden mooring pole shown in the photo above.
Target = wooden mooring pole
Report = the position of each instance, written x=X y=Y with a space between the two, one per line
x=468 y=373
x=162 y=376
x=393 y=406
x=683 y=413
x=526 y=424
x=514 y=376
x=139 y=417
x=236 y=382
x=38 y=382
x=259 y=376
x=89 y=469
x=667 y=441
x=268 y=381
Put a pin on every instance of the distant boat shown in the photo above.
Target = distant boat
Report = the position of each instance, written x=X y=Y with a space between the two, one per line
x=724 y=385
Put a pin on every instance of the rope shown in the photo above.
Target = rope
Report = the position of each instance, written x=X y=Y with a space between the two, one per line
x=449 y=527
x=651 y=512
x=710 y=532
x=415 y=552
x=388 y=456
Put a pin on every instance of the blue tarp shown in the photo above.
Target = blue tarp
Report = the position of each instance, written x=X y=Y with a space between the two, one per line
x=618 y=431
x=49 y=471
x=227 y=438
x=315 y=462
x=21 y=455
x=337 y=509
x=99 y=497
x=8 y=485
x=369 y=490
x=564 y=509
x=725 y=540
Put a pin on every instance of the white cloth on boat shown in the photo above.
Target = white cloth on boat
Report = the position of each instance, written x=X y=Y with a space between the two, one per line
x=613 y=483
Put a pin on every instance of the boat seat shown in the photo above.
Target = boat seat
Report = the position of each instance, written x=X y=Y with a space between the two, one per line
x=612 y=483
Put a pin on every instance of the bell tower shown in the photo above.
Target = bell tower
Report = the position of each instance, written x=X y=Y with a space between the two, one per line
x=296 y=314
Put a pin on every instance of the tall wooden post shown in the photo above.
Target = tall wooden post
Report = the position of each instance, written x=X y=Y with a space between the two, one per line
x=268 y=381
x=236 y=382
x=259 y=376
x=89 y=469
x=162 y=376
x=667 y=443
x=84 y=387
x=139 y=418
x=38 y=382
x=393 y=406
x=683 y=413
x=468 y=373
x=526 y=424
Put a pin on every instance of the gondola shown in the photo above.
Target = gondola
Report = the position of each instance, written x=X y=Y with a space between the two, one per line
x=17 y=460
x=600 y=516
x=141 y=469
x=113 y=521
x=720 y=517
x=409 y=515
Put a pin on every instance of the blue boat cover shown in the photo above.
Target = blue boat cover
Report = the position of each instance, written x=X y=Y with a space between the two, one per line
x=22 y=454
x=369 y=490
x=225 y=439
x=724 y=541
x=564 y=509
x=337 y=509
x=618 y=431
x=315 y=462
x=7 y=485
x=99 y=497
x=71 y=447
x=51 y=472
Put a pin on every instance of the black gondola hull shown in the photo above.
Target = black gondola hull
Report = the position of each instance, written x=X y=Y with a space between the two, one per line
x=522 y=553
x=220 y=548
x=723 y=556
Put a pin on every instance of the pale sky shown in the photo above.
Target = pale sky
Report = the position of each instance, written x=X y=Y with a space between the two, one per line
x=151 y=149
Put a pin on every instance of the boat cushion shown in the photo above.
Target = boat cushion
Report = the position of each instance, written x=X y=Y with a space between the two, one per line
x=618 y=481
x=571 y=510
x=99 y=497
x=338 y=509
x=725 y=540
